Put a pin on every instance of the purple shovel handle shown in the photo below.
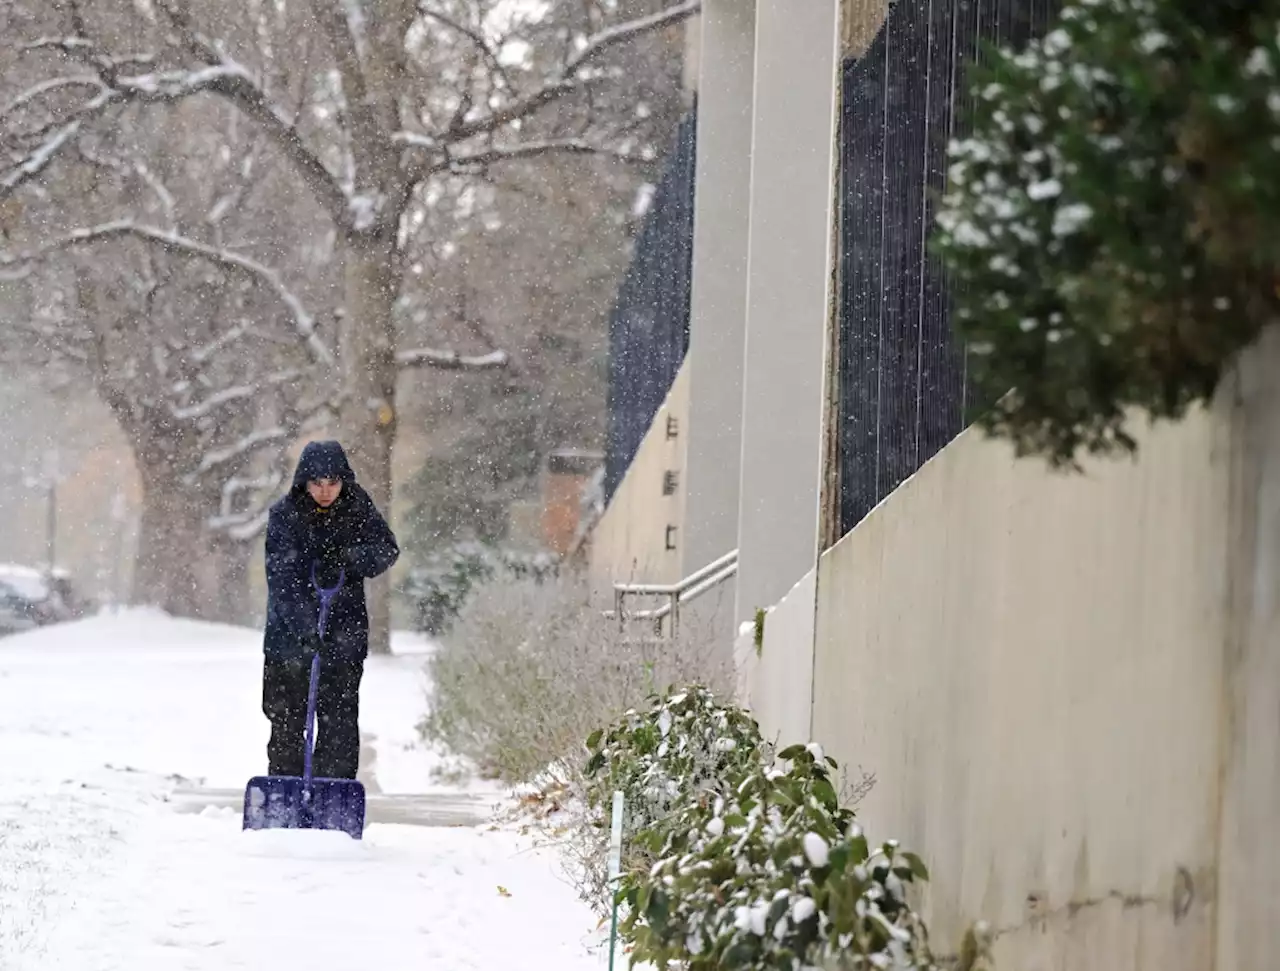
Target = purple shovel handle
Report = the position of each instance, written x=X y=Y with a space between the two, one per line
x=326 y=601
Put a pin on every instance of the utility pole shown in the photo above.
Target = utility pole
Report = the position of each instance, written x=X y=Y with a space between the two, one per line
x=51 y=509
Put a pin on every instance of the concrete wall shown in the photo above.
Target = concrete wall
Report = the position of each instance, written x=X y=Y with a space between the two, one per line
x=1068 y=689
x=1248 y=875
x=789 y=291
x=718 y=305
x=777 y=684
x=629 y=543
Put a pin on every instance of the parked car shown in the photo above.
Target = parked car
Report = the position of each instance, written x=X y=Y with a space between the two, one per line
x=17 y=613
x=38 y=597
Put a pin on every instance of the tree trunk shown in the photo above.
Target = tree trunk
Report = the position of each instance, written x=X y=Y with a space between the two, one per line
x=170 y=544
x=372 y=284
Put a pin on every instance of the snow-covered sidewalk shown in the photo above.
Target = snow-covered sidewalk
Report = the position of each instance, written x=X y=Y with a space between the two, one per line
x=101 y=721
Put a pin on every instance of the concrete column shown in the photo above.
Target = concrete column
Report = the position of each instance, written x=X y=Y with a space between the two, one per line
x=717 y=330
x=789 y=279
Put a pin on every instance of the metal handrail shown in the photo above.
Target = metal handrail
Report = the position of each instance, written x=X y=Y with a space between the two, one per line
x=666 y=589
x=686 y=591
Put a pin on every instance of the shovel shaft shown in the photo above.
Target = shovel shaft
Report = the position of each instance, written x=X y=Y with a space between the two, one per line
x=312 y=691
x=326 y=600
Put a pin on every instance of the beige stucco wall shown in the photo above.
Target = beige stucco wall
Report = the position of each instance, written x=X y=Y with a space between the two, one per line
x=718 y=299
x=1248 y=875
x=1068 y=689
x=789 y=292
x=776 y=680
x=628 y=544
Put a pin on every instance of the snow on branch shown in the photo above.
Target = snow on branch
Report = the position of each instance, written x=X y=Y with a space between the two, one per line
x=236 y=451
x=533 y=149
x=46 y=87
x=567 y=79
x=304 y=322
x=64 y=45
x=242 y=526
x=245 y=524
x=215 y=401
x=415 y=140
x=39 y=159
x=227 y=396
x=205 y=352
x=233 y=82
x=452 y=360
x=622 y=33
x=220 y=76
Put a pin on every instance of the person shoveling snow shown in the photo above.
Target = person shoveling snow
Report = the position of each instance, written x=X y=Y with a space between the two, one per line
x=327 y=521
x=121 y=847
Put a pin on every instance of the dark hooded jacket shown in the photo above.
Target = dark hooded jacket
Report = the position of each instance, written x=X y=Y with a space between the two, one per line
x=351 y=535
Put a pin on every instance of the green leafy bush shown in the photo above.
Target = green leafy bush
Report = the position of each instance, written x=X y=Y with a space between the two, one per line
x=741 y=860
x=1111 y=226
x=681 y=750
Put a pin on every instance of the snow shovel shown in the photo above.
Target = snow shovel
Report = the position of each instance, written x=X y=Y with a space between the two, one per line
x=304 y=802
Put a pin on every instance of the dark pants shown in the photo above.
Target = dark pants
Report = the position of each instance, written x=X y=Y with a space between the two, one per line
x=284 y=702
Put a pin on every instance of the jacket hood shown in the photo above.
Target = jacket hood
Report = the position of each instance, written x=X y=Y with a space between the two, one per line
x=322 y=460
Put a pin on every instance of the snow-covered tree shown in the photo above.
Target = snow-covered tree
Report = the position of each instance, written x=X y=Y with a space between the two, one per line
x=371 y=105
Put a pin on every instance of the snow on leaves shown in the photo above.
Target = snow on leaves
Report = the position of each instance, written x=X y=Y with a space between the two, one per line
x=1109 y=216
x=750 y=866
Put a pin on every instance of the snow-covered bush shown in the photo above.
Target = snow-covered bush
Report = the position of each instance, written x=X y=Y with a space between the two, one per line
x=775 y=874
x=683 y=749
x=1111 y=225
x=737 y=858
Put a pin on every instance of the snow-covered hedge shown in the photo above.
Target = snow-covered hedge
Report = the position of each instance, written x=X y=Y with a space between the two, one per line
x=746 y=860
x=683 y=749
x=1111 y=225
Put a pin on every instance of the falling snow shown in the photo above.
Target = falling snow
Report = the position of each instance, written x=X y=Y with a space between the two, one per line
x=224 y=234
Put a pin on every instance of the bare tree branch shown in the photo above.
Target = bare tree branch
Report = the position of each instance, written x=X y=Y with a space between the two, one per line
x=412 y=139
x=231 y=81
x=236 y=451
x=452 y=360
x=567 y=78
x=622 y=33
x=64 y=45
x=336 y=26
x=62 y=135
x=225 y=79
x=304 y=322
x=475 y=36
x=533 y=149
x=242 y=392
x=47 y=87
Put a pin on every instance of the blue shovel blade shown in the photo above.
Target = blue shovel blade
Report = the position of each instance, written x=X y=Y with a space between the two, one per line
x=287 y=802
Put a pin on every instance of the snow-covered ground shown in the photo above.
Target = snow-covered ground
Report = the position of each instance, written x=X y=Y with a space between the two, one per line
x=102 y=721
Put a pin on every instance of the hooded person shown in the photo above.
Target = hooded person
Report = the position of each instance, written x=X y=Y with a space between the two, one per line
x=325 y=533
